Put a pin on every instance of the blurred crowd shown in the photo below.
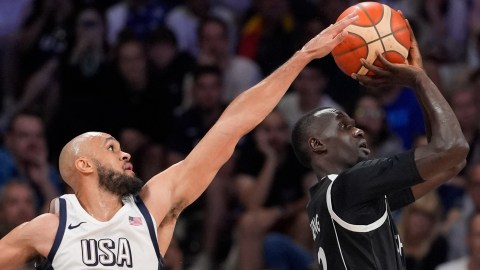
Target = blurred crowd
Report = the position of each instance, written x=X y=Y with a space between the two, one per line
x=156 y=74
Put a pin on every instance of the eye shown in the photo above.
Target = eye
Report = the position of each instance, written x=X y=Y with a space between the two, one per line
x=111 y=148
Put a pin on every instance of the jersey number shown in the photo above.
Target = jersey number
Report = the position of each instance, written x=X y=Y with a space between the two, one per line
x=322 y=259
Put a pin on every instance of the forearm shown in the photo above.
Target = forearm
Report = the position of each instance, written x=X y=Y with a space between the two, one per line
x=447 y=148
x=252 y=106
x=441 y=121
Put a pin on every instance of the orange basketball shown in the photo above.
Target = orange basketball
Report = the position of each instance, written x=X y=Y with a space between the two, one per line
x=378 y=28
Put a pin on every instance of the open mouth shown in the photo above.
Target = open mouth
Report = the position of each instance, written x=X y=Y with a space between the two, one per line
x=363 y=146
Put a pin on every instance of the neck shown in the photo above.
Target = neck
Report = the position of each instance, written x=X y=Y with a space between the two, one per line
x=99 y=203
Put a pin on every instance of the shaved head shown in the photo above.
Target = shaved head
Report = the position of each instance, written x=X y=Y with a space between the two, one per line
x=87 y=154
x=77 y=147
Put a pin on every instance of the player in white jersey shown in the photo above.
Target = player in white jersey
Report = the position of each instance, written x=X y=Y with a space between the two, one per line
x=104 y=226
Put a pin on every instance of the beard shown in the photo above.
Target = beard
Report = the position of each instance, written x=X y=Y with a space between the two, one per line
x=118 y=183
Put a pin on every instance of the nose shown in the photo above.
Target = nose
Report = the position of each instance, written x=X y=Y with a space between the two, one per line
x=125 y=156
x=359 y=133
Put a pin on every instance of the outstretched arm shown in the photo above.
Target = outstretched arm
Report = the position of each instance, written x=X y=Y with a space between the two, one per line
x=444 y=155
x=183 y=183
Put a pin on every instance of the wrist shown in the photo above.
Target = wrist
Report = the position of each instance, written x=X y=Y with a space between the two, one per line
x=305 y=54
x=420 y=78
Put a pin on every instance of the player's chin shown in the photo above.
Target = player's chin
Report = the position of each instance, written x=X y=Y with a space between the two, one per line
x=364 y=153
x=130 y=172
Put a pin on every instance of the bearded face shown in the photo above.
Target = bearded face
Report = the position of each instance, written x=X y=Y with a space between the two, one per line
x=118 y=183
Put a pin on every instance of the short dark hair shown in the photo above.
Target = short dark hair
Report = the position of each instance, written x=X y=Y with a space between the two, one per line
x=162 y=35
x=300 y=134
x=299 y=139
x=201 y=70
x=26 y=112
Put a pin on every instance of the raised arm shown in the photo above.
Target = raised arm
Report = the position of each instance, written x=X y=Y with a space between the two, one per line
x=186 y=180
x=444 y=155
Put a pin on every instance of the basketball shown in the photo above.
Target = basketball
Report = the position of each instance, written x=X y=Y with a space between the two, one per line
x=378 y=28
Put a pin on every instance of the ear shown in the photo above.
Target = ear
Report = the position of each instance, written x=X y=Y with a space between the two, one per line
x=317 y=146
x=83 y=165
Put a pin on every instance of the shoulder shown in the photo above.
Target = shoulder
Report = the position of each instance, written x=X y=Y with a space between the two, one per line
x=382 y=163
x=42 y=242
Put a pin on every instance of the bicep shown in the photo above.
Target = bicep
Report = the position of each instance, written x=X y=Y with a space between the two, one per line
x=435 y=166
x=202 y=164
x=16 y=248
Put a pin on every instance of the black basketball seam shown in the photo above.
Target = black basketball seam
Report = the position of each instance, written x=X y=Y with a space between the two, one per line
x=380 y=38
x=375 y=25
x=367 y=43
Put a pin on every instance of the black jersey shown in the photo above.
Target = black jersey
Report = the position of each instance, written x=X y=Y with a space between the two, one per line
x=350 y=214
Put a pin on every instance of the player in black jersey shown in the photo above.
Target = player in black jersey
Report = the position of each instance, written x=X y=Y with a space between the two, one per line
x=350 y=206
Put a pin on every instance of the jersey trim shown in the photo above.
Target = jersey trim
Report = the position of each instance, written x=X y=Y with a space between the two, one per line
x=338 y=243
x=151 y=228
x=60 y=231
x=352 y=227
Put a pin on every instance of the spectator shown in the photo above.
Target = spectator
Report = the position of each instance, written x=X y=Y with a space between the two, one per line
x=17 y=205
x=170 y=65
x=343 y=91
x=45 y=33
x=420 y=230
x=306 y=94
x=470 y=204
x=370 y=117
x=267 y=35
x=145 y=99
x=444 y=28
x=472 y=260
x=84 y=79
x=41 y=93
x=208 y=216
x=25 y=156
x=462 y=101
x=403 y=113
x=12 y=14
x=271 y=186
x=239 y=73
x=184 y=20
x=138 y=16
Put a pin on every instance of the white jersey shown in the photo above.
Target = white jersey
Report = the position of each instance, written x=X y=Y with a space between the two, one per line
x=127 y=241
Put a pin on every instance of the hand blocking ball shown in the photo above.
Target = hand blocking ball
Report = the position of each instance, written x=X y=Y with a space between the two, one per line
x=378 y=28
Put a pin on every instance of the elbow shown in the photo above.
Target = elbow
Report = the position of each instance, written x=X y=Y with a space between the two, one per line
x=463 y=149
x=458 y=151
